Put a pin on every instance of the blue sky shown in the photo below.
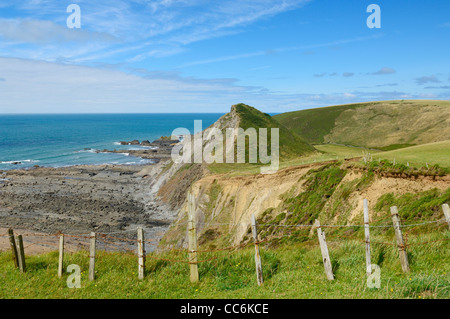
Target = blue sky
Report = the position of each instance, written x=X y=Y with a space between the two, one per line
x=146 y=56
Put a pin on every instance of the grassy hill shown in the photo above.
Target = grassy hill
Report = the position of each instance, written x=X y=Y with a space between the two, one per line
x=420 y=155
x=291 y=145
x=385 y=125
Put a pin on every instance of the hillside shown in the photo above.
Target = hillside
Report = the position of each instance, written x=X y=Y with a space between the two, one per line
x=174 y=180
x=384 y=125
x=291 y=145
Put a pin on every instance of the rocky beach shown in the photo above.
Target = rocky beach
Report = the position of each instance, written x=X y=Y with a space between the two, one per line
x=107 y=199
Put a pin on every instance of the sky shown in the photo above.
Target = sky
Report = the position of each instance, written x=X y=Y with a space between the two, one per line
x=202 y=56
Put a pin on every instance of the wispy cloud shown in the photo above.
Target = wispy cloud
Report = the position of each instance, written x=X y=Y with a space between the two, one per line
x=384 y=71
x=427 y=79
x=442 y=87
x=47 y=32
x=387 y=84
x=139 y=25
x=278 y=50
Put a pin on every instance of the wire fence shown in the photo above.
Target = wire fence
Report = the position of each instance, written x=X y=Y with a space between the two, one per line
x=113 y=241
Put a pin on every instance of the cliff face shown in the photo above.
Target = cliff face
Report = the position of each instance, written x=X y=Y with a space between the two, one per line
x=332 y=192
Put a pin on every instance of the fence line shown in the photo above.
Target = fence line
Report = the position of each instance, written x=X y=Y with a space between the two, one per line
x=117 y=243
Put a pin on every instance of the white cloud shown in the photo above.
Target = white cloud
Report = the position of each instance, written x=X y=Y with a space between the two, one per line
x=52 y=87
x=427 y=79
x=59 y=88
x=384 y=71
x=47 y=32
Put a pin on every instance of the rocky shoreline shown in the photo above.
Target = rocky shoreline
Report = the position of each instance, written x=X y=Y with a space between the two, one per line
x=80 y=199
x=156 y=150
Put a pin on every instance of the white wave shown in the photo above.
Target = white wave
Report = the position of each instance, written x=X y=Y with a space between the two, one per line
x=90 y=150
x=19 y=161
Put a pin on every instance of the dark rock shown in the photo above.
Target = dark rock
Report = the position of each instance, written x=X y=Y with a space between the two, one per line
x=134 y=142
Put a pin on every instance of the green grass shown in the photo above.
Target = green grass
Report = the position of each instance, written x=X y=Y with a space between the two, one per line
x=314 y=124
x=320 y=185
x=413 y=206
x=290 y=144
x=342 y=151
x=383 y=124
x=420 y=155
x=326 y=153
x=290 y=271
x=393 y=147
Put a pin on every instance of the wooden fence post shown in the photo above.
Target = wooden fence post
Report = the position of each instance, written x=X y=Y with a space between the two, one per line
x=21 y=254
x=446 y=210
x=400 y=241
x=61 y=255
x=259 y=273
x=367 y=238
x=92 y=257
x=141 y=253
x=192 y=236
x=324 y=250
x=12 y=243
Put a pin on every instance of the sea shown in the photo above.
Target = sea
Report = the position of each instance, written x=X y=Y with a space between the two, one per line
x=61 y=140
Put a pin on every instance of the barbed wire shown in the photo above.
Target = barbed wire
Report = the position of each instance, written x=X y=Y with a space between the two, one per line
x=115 y=242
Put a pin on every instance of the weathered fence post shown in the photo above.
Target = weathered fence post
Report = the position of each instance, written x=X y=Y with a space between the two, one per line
x=12 y=243
x=324 y=250
x=92 y=257
x=192 y=236
x=141 y=253
x=61 y=255
x=446 y=210
x=400 y=241
x=259 y=273
x=367 y=238
x=21 y=254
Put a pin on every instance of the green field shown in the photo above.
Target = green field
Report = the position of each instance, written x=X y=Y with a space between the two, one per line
x=290 y=271
x=420 y=155
x=342 y=151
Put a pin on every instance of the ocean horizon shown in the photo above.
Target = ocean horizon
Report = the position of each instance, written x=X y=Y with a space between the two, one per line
x=61 y=140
